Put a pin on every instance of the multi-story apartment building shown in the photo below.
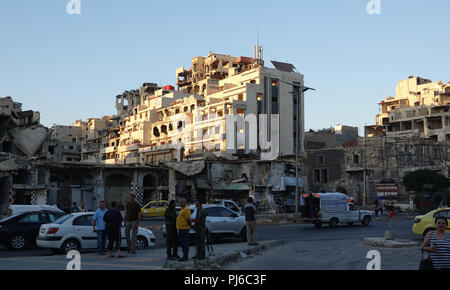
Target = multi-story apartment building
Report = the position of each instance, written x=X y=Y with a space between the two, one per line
x=419 y=109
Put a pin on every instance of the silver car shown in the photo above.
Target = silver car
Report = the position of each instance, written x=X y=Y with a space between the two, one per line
x=221 y=222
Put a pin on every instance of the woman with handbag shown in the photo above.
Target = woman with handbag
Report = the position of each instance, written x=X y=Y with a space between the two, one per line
x=437 y=244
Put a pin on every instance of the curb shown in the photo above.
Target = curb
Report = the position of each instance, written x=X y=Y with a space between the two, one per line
x=383 y=243
x=216 y=262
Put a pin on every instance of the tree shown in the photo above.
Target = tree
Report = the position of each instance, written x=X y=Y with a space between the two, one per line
x=417 y=179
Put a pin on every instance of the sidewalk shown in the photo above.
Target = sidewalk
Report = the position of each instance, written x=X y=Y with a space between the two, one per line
x=150 y=259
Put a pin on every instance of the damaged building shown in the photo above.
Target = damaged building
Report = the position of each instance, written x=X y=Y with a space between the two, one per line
x=166 y=143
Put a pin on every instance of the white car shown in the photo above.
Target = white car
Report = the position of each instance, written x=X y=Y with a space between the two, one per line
x=75 y=232
x=16 y=209
x=220 y=222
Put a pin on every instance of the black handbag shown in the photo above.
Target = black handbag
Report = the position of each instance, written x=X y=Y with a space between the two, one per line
x=426 y=264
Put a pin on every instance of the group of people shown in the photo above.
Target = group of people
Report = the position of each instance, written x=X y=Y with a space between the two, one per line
x=107 y=223
x=178 y=227
x=75 y=208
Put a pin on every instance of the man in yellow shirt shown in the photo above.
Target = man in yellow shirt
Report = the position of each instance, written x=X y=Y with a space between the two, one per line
x=183 y=227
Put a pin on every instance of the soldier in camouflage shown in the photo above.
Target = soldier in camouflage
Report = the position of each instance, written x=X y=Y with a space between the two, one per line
x=200 y=231
x=170 y=218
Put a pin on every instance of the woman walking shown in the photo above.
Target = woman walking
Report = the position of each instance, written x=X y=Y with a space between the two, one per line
x=113 y=219
x=437 y=243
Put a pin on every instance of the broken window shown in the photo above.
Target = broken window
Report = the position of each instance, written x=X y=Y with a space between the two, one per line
x=156 y=132
x=316 y=176
x=324 y=176
x=164 y=129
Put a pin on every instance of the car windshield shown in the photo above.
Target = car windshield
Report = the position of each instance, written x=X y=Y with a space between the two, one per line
x=63 y=219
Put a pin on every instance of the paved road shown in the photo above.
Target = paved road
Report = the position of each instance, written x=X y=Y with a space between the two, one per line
x=340 y=248
x=289 y=233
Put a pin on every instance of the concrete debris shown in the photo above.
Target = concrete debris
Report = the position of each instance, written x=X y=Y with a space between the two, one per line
x=29 y=140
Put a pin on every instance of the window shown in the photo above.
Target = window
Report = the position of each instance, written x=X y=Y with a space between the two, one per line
x=324 y=176
x=212 y=212
x=34 y=218
x=85 y=220
x=223 y=212
x=444 y=213
x=316 y=176
x=232 y=206
x=320 y=159
x=356 y=159
x=54 y=216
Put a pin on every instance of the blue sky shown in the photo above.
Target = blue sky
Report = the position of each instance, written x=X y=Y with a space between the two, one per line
x=71 y=67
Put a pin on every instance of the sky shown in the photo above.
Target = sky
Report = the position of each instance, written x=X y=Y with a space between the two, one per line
x=71 y=67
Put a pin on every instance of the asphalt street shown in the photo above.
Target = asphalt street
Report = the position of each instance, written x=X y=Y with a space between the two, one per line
x=290 y=233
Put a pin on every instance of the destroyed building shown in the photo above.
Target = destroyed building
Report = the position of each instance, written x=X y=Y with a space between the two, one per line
x=165 y=143
x=21 y=137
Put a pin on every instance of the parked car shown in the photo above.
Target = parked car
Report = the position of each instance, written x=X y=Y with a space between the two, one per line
x=16 y=209
x=21 y=230
x=75 y=232
x=332 y=209
x=228 y=204
x=155 y=208
x=221 y=222
x=425 y=223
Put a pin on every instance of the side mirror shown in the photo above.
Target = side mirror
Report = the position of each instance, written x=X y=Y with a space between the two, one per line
x=235 y=215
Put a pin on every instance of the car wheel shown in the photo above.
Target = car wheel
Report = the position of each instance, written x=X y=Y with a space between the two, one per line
x=318 y=225
x=17 y=242
x=366 y=221
x=70 y=245
x=141 y=244
x=244 y=234
x=333 y=222
x=425 y=232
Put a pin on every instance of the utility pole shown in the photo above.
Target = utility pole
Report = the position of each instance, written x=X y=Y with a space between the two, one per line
x=297 y=140
x=296 y=92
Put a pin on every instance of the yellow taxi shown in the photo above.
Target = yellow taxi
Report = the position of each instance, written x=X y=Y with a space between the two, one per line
x=425 y=223
x=155 y=208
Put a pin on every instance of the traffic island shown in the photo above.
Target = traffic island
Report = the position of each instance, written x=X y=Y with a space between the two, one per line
x=385 y=243
x=216 y=261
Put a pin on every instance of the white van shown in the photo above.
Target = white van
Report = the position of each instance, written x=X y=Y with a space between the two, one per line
x=20 y=208
x=332 y=209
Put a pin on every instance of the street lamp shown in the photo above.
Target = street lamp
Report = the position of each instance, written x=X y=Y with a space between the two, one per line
x=297 y=88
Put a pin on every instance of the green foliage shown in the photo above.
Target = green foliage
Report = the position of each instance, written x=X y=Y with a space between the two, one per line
x=416 y=180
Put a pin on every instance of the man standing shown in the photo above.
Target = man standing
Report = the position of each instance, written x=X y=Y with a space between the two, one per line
x=132 y=218
x=183 y=226
x=170 y=219
x=200 y=231
x=75 y=208
x=99 y=227
x=250 y=219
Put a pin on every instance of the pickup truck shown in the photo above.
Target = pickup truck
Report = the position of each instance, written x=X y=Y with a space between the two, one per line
x=332 y=209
